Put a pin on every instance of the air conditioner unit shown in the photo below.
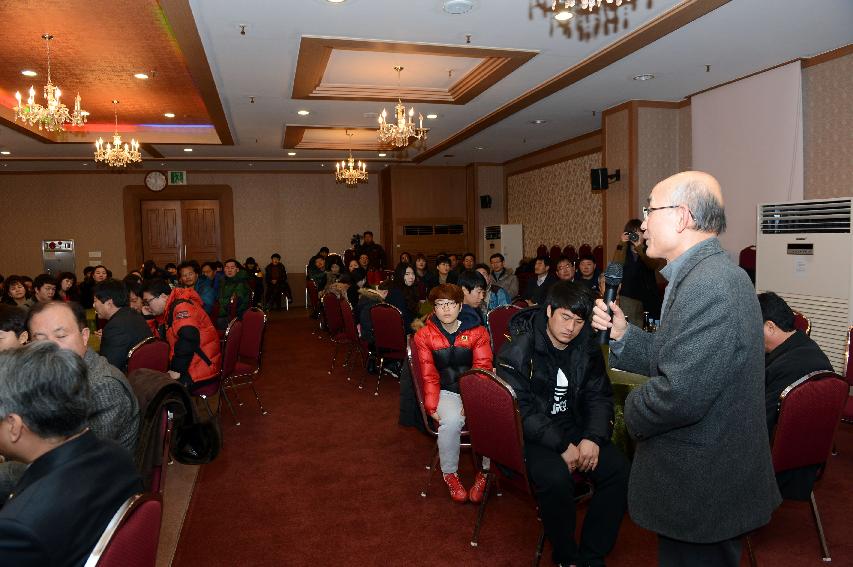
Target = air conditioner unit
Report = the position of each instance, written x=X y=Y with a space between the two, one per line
x=504 y=239
x=804 y=252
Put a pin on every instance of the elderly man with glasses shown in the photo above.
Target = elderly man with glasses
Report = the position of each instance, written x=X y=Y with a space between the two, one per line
x=702 y=475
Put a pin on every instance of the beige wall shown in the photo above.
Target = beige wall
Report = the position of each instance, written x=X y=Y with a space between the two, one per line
x=657 y=150
x=489 y=181
x=293 y=214
x=828 y=129
x=617 y=155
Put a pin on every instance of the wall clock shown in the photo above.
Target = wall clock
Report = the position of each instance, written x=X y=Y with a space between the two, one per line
x=155 y=180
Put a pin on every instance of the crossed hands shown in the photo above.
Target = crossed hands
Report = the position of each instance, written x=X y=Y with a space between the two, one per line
x=582 y=457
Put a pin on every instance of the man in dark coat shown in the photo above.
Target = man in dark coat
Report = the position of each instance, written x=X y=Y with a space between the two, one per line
x=374 y=251
x=537 y=287
x=125 y=327
x=702 y=475
x=557 y=370
x=75 y=482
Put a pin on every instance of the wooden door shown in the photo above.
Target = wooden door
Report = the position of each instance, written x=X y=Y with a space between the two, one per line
x=200 y=234
x=161 y=231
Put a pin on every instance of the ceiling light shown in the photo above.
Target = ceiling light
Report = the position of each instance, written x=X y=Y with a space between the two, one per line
x=457 y=7
x=432 y=116
x=188 y=149
x=6 y=152
x=169 y=115
x=538 y=121
x=54 y=115
x=291 y=153
x=479 y=148
x=563 y=16
x=383 y=154
x=303 y=112
x=336 y=1
x=347 y=171
x=644 y=77
x=398 y=132
x=116 y=154
x=140 y=75
x=28 y=73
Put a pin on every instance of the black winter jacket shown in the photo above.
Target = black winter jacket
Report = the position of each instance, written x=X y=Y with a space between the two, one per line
x=528 y=362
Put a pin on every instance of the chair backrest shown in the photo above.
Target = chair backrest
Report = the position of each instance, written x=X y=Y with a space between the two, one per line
x=498 y=321
x=332 y=312
x=254 y=323
x=802 y=323
x=493 y=419
x=231 y=351
x=555 y=253
x=313 y=293
x=348 y=321
x=389 y=335
x=520 y=303
x=848 y=372
x=541 y=250
x=809 y=414
x=570 y=252
x=746 y=259
x=132 y=536
x=585 y=250
x=598 y=254
x=418 y=382
x=149 y=353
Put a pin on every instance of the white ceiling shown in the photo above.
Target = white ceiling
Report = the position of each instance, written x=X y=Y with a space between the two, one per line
x=741 y=37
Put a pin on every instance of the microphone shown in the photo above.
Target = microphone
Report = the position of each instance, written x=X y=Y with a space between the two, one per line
x=612 y=280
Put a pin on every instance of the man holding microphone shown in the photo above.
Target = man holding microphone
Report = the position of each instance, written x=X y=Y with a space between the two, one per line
x=702 y=475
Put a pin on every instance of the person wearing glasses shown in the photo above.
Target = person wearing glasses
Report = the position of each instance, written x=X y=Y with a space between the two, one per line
x=639 y=292
x=452 y=342
x=702 y=476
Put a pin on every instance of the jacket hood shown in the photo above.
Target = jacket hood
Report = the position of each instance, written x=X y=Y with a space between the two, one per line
x=467 y=316
x=533 y=321
x=369 y=293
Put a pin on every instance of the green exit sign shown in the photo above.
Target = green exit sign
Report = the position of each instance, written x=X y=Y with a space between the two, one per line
x=177 y=178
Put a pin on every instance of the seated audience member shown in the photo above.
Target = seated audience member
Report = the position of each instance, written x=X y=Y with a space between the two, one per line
x=233 y=285
x=255 y=280
x=275 y=283
x=194 y=353
x=367 y=298
x=340 y=288
x=421 y=276
x=334 y=268
x=150 y=271
x=403 y=295
x=28 y=284
x=587 y=273
x=374 y=251
x=317 y=271
x=454 y=262
x=473 y=286
x=13 y=327
x=565 y=269
x=496 y=296
x=639 y=291
x=86 y=287
x=364 y=262
x=133 y=284
x=442 y=274
x=558 y=372
x=125 y=327
x=468 y=261
x=170 y=271
x=100 y=274
x=537 y=288
x=189 y=277
x=503 y=276
x=405 y=258
x=67 y=288
x=74 y=481
x=359 y=280
x=44 y=288
x=790 y=353
x=16 y=293
x=452 y=342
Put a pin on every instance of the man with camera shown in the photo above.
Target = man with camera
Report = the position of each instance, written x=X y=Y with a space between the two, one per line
x=639 y=292
x=374 y=251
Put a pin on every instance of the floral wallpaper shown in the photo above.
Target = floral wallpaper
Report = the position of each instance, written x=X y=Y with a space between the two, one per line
x=556 y=205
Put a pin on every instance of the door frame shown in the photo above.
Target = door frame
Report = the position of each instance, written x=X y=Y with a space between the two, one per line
x=133 y=195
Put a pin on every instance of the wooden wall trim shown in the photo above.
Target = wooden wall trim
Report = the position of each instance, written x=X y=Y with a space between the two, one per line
x=133 y=195
x=552 y=147
x=842 y=51
x=633 y=152
x=554 y=161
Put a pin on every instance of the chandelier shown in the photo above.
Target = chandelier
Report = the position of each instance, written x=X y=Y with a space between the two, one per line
x=116 y=154
x=346 y=171
x=397 y=134
x=568 y=5
x=54 y=115
x=587 y=18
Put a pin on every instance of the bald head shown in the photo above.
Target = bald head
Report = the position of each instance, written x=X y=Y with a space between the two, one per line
x=701 y=194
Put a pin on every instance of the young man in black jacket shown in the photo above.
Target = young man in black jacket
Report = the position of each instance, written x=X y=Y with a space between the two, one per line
x=557 y=370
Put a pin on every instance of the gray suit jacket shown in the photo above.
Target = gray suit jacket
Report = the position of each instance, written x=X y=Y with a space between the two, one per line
x=702 y=471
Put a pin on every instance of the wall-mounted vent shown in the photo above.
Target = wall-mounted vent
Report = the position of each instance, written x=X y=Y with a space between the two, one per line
x=806 y=217
x=493 y=232
x=449 y=229
x=417 y=230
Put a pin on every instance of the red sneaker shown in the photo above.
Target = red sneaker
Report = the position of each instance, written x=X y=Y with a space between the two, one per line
x=457 y=491
x=478 y=488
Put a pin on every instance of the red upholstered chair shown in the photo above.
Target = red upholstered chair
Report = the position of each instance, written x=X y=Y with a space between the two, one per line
x=555 y=253
x=351 y=338
x=809 y=414
x=585 y=250
x=520 y=303
x=132 y=536
x=598 y=254
x=249 y=355
x=498 y=322
x=312 y=296
x=205 y=390
x=847 y=415
x=802 y=323
x=158 y=471
x=430 y=425
x=541 y=250
x=389 y=336
x=149 y=353
x=334 y=324
x=375 y=277
x=570 y=253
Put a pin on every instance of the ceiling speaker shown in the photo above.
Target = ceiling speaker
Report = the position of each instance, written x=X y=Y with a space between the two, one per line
x=458 y=6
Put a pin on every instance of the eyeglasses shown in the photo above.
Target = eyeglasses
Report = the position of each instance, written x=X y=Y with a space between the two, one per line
x=445 y=304
x=147 y=302
x=649 y=210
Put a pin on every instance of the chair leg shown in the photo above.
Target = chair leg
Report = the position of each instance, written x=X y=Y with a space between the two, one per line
x=824 y=547
x=334 y=358
x=539 y=547
x=364 y=375
x=753 y=562
x=431 y=468
x=379 y=377
x=230 y=407
x=233 y=388
x=476 y=536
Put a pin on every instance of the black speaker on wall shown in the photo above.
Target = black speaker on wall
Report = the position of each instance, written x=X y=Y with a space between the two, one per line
x=485 y=201
x=600 y=179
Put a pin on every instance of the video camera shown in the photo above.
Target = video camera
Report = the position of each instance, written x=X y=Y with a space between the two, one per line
x=355 y=241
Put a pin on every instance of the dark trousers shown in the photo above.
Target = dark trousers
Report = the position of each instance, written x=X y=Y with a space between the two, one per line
x=555 y=491
x=274 y=292
x=675 y=553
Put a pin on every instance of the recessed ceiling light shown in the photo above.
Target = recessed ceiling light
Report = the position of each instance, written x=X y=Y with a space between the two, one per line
x=538 y=121
x=140 y=75
x=28 y=73
x=457 y=7
x=169 y=115
x=291 y=153
x=432 y=116
x=479 y=148
x=563 y=16
x=303 y=112
x=251 y=164
x=6 y=152
x=644 y=77
x=188 y=149
x=449 y=155
x=336 y=1
x=383 y=154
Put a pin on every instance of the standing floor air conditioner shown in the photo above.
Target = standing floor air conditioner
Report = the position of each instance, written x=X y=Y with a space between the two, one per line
x=804 y=252
x=505 y=239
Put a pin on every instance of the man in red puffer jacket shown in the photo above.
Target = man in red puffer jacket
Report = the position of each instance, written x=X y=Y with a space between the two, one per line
x=452 y=342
